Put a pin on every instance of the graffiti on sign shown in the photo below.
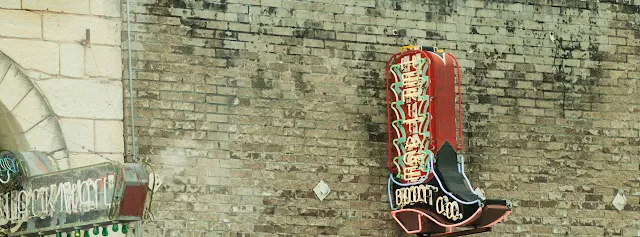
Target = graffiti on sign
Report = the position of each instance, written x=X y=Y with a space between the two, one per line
x=7 y=166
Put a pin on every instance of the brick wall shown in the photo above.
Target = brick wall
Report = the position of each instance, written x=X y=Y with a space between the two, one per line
x=244 y=105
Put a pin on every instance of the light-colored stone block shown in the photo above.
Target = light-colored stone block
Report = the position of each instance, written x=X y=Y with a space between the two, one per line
x=72 y=60
x=21 y=24
x=68 y=6
x=105 y=8
x=109 y=136
x=85 y=159
x=72 y=28
x=63 y=164
x=84 y=98
x=10 y=4
x=46 y=136
x=11 y=134
x=104 y=61
x=5 y=63
x=36 y=75
x=78 y=133
x=31 y=110
x=13 y=87
x=60 y=158
x=32 y=54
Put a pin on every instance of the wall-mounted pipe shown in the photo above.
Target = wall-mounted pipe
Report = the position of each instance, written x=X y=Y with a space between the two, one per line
x=133 y=126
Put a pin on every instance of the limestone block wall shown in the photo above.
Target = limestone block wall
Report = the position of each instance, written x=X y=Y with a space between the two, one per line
x=244 y=106
x=65 y=96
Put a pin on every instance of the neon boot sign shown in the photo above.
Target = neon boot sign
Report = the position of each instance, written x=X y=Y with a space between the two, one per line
x=429 y=193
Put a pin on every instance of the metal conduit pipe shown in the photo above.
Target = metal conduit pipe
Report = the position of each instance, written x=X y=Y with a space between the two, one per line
x=133 y=131
x=134 y=154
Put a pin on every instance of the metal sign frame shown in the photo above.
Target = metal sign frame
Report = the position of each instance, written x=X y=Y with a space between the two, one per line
x=74 y=199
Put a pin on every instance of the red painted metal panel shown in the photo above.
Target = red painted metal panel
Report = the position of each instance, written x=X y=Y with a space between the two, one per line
x=133 y=204
x=444 y=99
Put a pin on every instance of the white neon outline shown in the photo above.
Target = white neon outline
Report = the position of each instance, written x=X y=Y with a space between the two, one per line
x=450 y=194
x=422 y=214
x=461 y=171
x=432 y=170
x=8 y=178
x=7 y=164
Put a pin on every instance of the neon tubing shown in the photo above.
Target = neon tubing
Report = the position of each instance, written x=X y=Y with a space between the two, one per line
x=390 y=159
x=431 y=171
x=447 y=192
x=470 y=219
x=461 y=170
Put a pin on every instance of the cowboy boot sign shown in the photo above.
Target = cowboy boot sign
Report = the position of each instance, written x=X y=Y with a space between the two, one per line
x=429 y=193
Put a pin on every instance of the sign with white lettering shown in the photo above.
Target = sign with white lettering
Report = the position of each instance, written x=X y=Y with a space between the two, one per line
x=431 y=198
x=428 y=190
x=76 y=199
x=410 y=118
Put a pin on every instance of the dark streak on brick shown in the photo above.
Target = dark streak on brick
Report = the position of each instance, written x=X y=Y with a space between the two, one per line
x=300 y=84
x=474 y=30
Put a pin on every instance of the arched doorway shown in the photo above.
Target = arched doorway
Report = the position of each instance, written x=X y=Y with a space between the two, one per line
x=27 y=122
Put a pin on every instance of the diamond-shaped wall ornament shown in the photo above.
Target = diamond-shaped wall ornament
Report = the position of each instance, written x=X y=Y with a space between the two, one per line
x=619 y=201
x=322 y=190
x=154 y=182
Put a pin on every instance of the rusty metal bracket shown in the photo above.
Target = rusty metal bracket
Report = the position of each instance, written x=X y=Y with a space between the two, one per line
x=87 y=39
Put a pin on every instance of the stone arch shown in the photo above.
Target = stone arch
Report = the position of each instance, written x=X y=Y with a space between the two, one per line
x=27 y=122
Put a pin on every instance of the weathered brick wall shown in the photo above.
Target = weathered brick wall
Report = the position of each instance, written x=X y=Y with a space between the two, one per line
x=244 y=105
